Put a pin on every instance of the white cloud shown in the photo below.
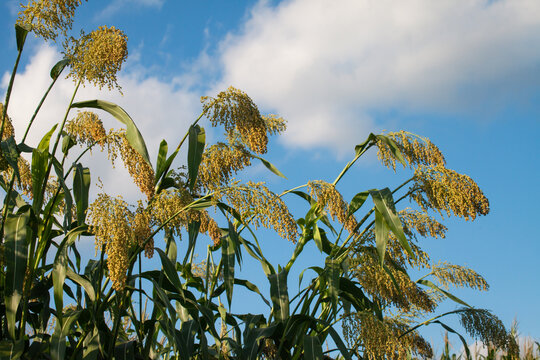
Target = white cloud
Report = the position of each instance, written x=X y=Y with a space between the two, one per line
x=161 y=110
x=326 y=65
x=117 y=5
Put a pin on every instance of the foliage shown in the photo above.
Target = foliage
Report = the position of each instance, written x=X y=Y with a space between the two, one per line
x=54 y=307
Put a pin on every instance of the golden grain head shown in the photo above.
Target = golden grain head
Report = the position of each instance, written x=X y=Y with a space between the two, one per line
x=446 y=190
x=25 y=184
x=239 y=115
x=381 y=339
x=377 y=282
x=167 y=209
x=457 y=275
x=97 y=57
x=486 y=327
x=261 y=207
x=9 y=130
x=87 y=128
x=142 y=230
x=417 y=222
x=415 y=150
x=110 y=220
x=209 y=226
x=219 y=163
x=48 y=18
x=328 y=197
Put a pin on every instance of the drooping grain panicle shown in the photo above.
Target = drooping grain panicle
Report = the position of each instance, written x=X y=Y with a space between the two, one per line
x=457 y=275
x=48 y=18
x=378 y=283
x=328 y=197
x=25 y=184
x=87 y=129
x=142 y=230
x=219 y=163
x=489 y=329
x=442 y=189
x=169 y=208
x=8 y=132
x=110 y=220
x=417 y=222
x=261 y=207
x=209 y=226
x=97 y=57
x=381 y=339
x=140 y=171
x=239 y=115
x=416 y=151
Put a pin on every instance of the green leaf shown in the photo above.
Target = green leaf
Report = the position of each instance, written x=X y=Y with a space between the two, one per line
x=81 y=189
x=463 y=341
x=17 y=234
x=269 y=166
x=58 y=339
x=381 y=235
x=68 y=142
x=59 y=277
x=393 y=148
x=279 y=295
x=58 y=68
x=317 y=237
x=20 y=33
x=197 y=138
x=11 y=155
x=46 y=140
x=357 y=201
x=133 y=134
x=341 y=346
x=446 y=293
x=358 y=149
x=11 y=350
x=312 y=348
x=82 y=281
x=161 y=159
x=228 y=259
x=68 y=200
x=193 y=233
x=333 y=270
x=40 y=157
x=170 y=270
x=186 y=338
x=91 y=345
x=384 y=203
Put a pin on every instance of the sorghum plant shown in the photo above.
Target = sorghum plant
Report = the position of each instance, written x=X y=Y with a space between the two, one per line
x=53 y=307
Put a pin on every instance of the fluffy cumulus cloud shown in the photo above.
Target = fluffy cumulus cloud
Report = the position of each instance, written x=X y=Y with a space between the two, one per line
x=328 y=66
x=161 y=110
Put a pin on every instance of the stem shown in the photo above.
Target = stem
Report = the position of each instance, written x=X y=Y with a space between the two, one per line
x=38 y=108
x=187 y=133
x=8 y=92
x=350 y=163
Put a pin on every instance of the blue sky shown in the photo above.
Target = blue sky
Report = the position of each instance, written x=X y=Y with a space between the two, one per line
x=465 y=74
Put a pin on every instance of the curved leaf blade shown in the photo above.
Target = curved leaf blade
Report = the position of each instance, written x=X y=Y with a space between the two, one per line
x=197 y=139
x=133 y=134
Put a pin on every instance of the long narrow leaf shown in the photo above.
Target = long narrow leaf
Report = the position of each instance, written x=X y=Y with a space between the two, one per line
x=197 y=139
x=133 y=134
x=81 y=189
x=382 y=230
x=279 y=295
x=312 y=348
x=17 y=233
x=228 y=259
x=384 y=203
